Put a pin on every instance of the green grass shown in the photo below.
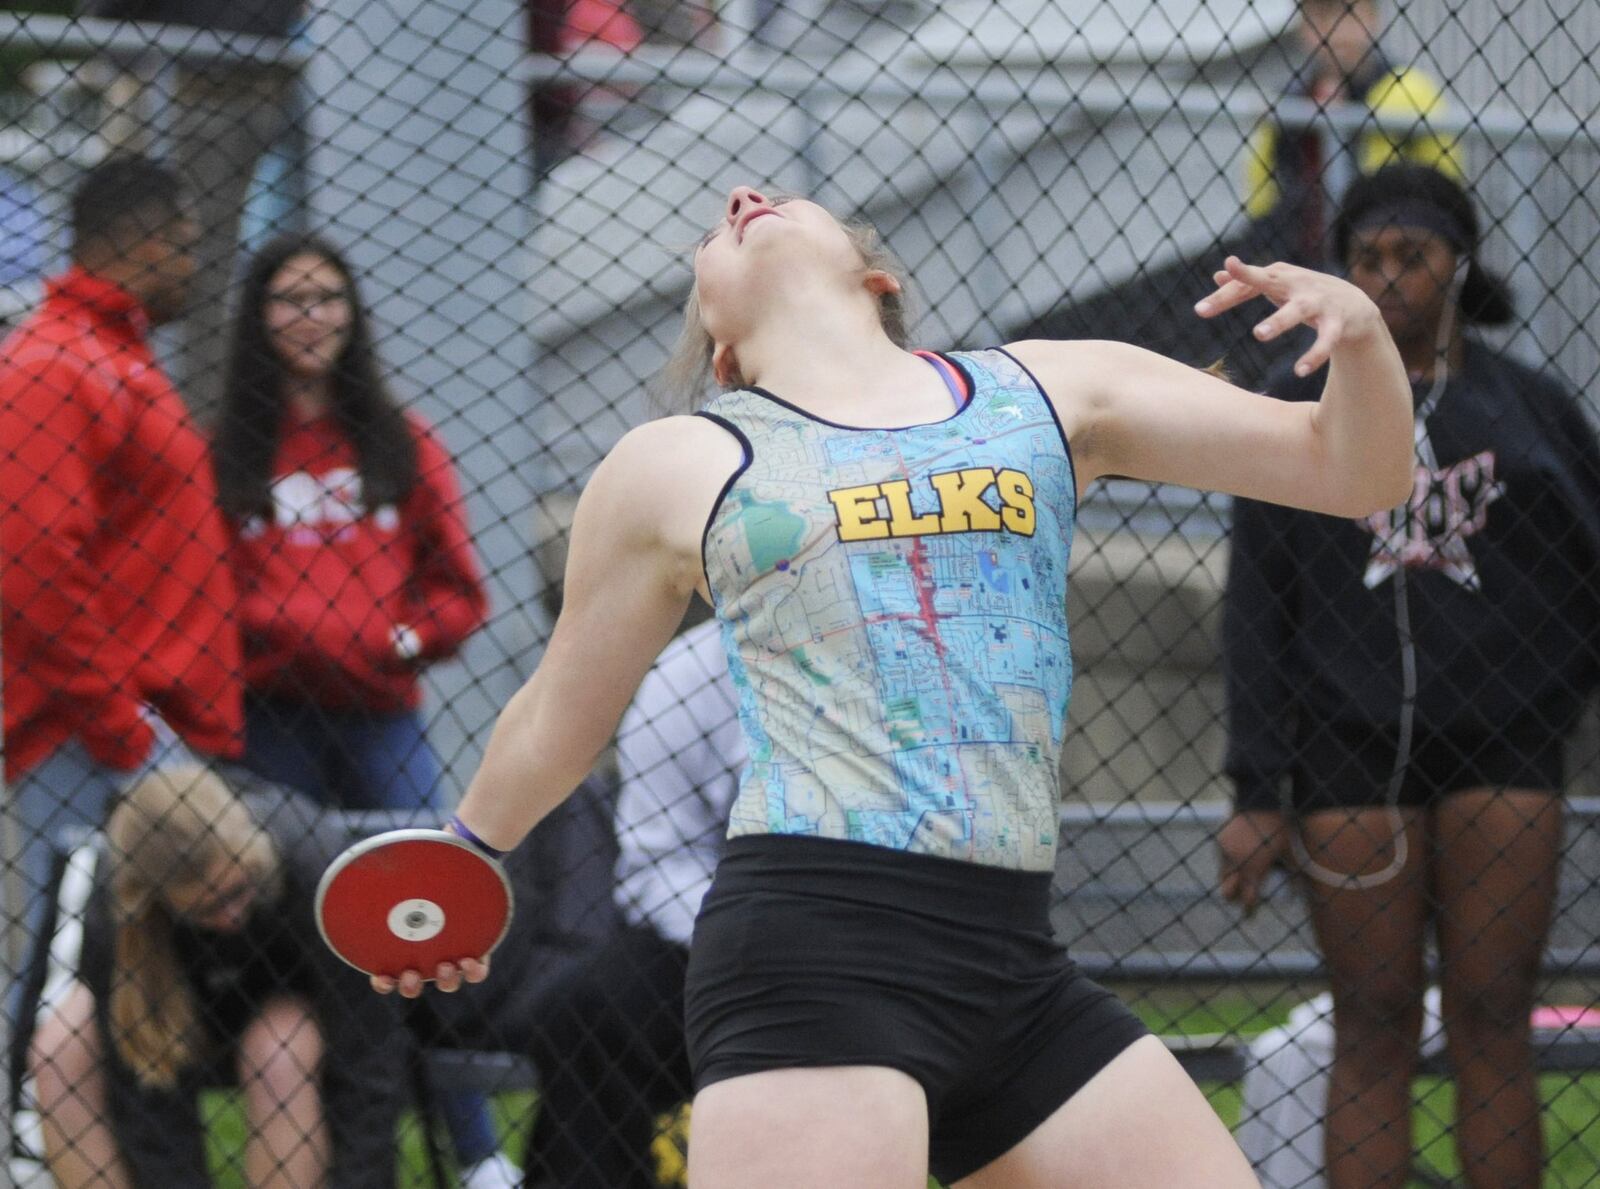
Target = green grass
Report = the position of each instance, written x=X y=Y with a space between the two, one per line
x=1571 y=1117
x=224 y=1115
x=1572 y=1103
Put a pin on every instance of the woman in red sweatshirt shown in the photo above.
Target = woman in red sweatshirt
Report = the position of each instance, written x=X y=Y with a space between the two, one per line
x=350 y=543
x=352 y=555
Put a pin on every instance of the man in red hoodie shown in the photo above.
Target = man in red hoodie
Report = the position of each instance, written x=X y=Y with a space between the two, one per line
x=119 y=651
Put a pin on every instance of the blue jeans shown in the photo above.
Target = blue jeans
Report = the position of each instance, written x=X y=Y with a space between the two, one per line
x=344 y=759
x=362 y=760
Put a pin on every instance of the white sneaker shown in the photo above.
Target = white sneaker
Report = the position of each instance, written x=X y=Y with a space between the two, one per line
x=492 y=1172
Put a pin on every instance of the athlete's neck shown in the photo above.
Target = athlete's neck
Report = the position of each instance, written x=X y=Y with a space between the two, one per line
x=831 y=360
x=881 y=385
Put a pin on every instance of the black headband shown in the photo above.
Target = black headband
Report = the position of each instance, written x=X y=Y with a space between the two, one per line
x=1421 y=215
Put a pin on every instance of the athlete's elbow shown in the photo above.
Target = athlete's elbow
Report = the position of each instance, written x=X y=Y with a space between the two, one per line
x=1397 y=489
x=1374 y=491
x=1392 y=476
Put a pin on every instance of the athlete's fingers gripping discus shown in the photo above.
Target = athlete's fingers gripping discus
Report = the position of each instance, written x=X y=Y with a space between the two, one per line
x=447 y=976
x=409 y=902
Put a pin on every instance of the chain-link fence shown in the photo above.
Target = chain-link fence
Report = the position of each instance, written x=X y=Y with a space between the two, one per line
x=322 y=315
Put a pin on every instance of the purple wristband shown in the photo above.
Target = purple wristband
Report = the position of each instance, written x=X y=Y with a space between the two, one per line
x=459 y=827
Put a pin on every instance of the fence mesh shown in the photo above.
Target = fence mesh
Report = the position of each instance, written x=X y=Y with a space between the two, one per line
x=218 y=533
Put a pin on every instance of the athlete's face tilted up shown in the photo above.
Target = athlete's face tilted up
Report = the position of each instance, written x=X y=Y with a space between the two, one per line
x=769 y=257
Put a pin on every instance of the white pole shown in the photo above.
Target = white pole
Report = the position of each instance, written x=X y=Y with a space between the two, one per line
x=420 y=168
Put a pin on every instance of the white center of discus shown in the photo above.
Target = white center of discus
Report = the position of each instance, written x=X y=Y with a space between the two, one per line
x=416 y=920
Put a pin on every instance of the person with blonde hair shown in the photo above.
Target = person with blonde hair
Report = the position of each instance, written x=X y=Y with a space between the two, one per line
x=873 y=989
x=201 y=960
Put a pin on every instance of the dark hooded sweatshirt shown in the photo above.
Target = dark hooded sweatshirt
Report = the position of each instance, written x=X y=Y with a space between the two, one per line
x=1502 y=551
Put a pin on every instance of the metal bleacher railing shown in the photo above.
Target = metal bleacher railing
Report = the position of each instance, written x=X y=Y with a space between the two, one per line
x=1137 y=906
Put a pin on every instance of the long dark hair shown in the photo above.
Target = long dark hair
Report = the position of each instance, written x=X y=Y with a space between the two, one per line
x=251 y=416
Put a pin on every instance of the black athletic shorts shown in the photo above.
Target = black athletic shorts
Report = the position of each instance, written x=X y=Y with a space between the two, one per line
x=1345 y=766
x=815 y=952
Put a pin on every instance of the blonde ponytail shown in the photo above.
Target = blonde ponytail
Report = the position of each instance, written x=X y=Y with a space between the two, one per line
x=154 y=1022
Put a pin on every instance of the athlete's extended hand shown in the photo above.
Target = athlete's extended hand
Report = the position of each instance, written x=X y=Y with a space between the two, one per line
x=448 y=976
x=1248 y=844
x=1337 y=310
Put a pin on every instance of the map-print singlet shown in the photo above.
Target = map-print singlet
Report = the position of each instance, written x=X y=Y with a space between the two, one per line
x=893 y=603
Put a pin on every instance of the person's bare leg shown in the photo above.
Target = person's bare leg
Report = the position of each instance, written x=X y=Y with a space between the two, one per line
x=1498 y=854
x=846 y=1127
x=1140 y=1121
x=280 y=1055
x=1372 y=943
x=66 y=1062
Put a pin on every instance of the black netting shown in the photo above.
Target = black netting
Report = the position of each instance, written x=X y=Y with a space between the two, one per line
x=320 y=318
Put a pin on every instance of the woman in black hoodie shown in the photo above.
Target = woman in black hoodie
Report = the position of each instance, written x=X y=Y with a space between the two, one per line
x=1399 y=691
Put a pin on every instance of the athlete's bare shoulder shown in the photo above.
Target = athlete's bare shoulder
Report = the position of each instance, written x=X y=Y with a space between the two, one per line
x=679 y=444
x=1073 y=372
x=660 y=460
x=662 y=479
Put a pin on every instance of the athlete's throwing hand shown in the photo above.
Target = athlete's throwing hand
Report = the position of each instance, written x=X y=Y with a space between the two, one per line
x=1334 y=308
x=450 y=976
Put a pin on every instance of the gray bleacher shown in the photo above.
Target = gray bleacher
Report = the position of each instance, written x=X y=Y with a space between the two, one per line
x=1137 y=901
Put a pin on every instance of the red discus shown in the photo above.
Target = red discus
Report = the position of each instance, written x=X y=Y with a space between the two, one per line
x=410 y=899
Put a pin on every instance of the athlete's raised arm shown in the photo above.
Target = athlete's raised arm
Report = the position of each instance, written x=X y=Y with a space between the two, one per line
x=1131 y=412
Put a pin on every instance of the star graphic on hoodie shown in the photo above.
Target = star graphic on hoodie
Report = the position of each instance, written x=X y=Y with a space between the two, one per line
x=1448 y=505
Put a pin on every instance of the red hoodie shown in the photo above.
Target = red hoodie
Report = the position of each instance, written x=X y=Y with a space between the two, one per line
x=114 y=585
x=324 y=586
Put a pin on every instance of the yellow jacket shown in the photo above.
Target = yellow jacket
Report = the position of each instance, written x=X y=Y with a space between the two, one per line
x=1397 y=92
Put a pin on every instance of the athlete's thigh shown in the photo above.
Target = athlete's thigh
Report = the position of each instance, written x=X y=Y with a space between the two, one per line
x=1141 y=1121
x=846 y=1127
